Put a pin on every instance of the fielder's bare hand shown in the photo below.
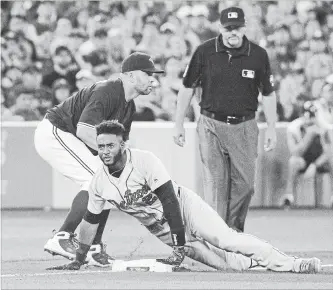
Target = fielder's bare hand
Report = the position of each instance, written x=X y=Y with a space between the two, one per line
x=179 y=135
x=270 y=138
x=73 y=266
x=176 y=258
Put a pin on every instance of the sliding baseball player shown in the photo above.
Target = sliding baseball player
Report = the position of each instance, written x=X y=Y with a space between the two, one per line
x=137 y=183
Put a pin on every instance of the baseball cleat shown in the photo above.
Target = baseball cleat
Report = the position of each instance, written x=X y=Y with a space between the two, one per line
x=98 y=257
x=63 y=244
x=310 y=266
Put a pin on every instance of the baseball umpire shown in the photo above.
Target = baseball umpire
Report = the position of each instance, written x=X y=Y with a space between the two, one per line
x=231 y=71
x=66 y=139
x=137 y=183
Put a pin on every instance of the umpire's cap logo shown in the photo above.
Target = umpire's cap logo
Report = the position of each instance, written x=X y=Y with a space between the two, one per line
x=232 y=15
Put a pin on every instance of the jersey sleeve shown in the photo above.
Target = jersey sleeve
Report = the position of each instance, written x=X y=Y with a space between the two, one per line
x=266 y=78
x=194 y=70
x=99 y=108
x=128 y=123
x=127 y=130
x=154 y=170
x=96 y=202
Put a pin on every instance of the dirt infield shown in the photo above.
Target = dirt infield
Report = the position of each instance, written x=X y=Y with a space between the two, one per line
x=300 y=232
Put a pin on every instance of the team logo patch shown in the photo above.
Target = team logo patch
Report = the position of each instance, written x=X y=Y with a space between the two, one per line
x=247 y=73
x=232 y=15
x=143 y=194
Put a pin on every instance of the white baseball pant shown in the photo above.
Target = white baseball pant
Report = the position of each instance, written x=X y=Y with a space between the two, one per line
x=66 y=153
x=210 y=241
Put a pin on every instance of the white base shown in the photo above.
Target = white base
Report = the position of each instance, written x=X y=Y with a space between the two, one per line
x=142 y=265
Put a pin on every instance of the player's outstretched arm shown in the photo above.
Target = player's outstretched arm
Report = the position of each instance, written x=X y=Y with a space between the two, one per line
x=171 y=210
x=172 y=213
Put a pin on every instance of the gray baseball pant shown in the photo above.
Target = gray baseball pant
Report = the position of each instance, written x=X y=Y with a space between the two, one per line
x=228 y=155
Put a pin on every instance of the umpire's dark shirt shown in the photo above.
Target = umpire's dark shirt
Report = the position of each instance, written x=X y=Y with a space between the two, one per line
x=90 y=106
x=230 y=78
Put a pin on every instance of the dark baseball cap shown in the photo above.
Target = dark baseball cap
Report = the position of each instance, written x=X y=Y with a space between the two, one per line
x=61 y=48
x=139 y=61
x=232 y=16
x=168 y=28
x=60 y=83
x=102 y=32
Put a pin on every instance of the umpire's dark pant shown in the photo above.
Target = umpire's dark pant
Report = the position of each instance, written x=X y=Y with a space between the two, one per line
x=228 y=155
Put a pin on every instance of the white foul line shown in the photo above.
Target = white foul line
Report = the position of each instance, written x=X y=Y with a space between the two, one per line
x=79 y=272
x=55 y=273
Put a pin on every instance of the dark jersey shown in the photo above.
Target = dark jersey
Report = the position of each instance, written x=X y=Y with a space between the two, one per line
x=90 y=106
x=230 y=78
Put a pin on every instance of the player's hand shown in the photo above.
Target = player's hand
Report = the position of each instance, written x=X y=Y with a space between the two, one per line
x=270 y=138
x=73 y=266
x=176 y=258
x=179 y=135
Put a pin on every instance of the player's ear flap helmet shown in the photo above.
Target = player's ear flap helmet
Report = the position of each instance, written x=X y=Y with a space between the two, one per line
x=139 y=61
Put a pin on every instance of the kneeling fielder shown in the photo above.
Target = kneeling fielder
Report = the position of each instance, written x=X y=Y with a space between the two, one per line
x=137 y=183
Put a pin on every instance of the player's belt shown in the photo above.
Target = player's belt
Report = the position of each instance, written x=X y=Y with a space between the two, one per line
x=230 y=120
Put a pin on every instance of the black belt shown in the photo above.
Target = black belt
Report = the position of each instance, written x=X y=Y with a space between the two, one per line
x=233 y=120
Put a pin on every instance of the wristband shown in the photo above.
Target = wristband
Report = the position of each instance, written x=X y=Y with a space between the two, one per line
x=178 y=236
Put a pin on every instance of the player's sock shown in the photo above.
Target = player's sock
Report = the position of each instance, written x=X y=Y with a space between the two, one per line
x=76 y=213
x=101 y=226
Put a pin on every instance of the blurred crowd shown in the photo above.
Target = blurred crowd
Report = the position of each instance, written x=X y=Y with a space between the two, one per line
x=51 y=49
